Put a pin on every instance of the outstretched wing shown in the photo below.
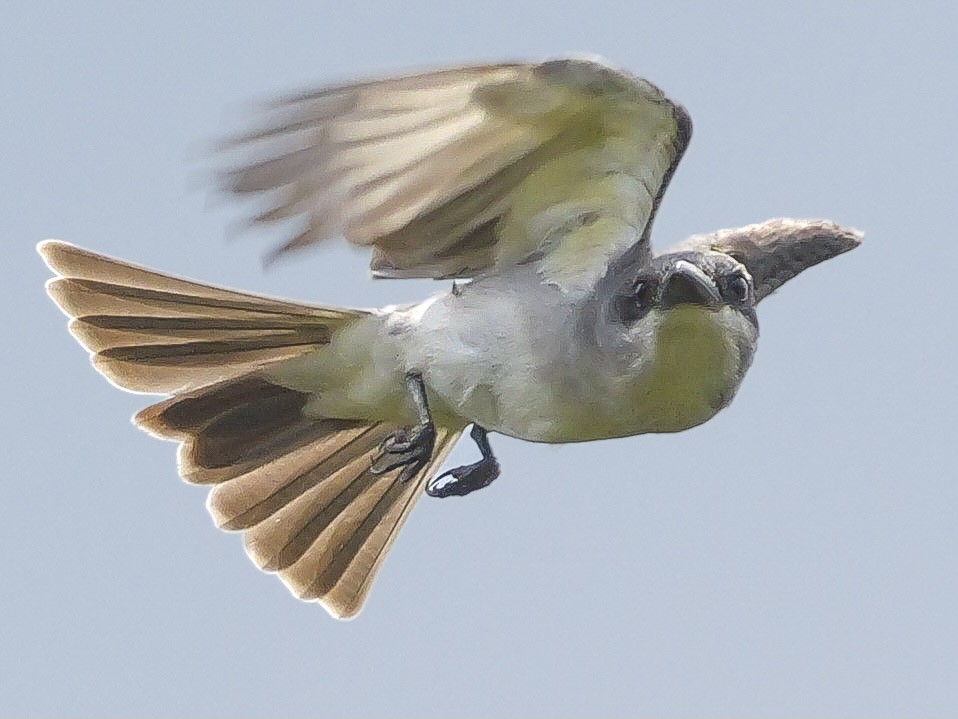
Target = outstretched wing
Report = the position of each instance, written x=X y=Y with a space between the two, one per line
x=468 y=170
x=777 y=250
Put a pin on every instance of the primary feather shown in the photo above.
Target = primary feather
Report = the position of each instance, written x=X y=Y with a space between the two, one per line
x=459 y=172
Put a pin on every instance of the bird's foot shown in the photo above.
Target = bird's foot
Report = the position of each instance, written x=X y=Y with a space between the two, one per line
x=465 y=479
x=410 y=449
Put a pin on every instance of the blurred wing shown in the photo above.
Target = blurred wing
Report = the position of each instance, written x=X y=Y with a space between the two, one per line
x=461 y=171
x=777 y=250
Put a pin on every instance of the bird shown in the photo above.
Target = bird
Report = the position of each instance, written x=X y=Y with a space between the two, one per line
x=532 y=186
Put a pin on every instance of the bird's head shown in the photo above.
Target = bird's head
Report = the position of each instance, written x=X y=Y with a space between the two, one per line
x=691 y=303
x=726 y=272
x=709 y=280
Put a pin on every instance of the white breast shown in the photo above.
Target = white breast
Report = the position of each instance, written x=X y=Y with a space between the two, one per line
x=512 y=362
x=688 y=369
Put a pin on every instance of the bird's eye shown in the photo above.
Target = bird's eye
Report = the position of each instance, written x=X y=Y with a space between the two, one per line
x=635 y=301
x=738 y=288
x=643 y=292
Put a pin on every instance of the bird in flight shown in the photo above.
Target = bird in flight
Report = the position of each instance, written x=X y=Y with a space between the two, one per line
x=316 y=427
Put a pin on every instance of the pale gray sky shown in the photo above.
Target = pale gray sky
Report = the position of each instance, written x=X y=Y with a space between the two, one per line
x=797 y=555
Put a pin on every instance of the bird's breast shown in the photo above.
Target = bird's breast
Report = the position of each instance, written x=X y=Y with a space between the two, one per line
x=518 y=366
x=699 y=359
x=689 y=368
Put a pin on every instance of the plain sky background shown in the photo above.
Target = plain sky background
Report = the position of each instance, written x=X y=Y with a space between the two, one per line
x=797 y=555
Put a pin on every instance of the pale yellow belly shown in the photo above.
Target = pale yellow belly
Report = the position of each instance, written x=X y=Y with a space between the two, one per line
x=694 y=371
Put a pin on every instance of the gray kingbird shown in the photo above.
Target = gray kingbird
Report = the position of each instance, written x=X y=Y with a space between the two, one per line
x=318 y=427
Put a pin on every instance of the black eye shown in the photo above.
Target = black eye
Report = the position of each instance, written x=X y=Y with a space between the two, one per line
x=635 y=301
x=738 y=288
x=643 y=292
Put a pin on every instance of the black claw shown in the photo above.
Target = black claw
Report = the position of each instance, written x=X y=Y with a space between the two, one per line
x=470 y=477
x=398 y=441
x=411 y=450
x=465 y=479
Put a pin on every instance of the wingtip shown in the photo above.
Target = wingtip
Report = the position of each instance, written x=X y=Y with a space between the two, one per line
x=839 y=237
x=855 y=236
x=848 y=237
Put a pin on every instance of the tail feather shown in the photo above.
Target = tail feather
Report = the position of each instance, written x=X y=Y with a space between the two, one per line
x=228 y=428
x=150 y=332
x=300 y=487
x=338 y=568
x=310 y=506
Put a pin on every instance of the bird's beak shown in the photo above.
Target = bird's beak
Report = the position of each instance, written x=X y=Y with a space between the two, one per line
x=686 y=283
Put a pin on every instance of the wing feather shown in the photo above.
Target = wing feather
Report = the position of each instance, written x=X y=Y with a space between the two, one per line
x=777 y=250
x=469 y=170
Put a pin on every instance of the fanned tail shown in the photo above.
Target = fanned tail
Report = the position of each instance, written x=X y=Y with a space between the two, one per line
x=150 y=332
x=299 y=487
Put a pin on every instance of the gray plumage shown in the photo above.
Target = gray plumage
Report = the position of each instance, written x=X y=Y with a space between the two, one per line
x=317 y=428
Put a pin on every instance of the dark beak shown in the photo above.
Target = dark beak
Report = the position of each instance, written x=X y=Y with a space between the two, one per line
x=686 y=284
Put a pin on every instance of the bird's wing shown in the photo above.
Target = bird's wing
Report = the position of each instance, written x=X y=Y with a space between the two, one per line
x=468 y=170
x=775 y=251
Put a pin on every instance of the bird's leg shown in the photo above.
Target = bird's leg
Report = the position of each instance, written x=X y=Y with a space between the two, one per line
x=470 y=477
x=412 y=448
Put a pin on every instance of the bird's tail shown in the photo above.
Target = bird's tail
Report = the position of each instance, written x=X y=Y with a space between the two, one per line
x=299 y=487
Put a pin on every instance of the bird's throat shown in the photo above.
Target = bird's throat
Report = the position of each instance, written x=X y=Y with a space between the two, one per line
x=696 y=370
